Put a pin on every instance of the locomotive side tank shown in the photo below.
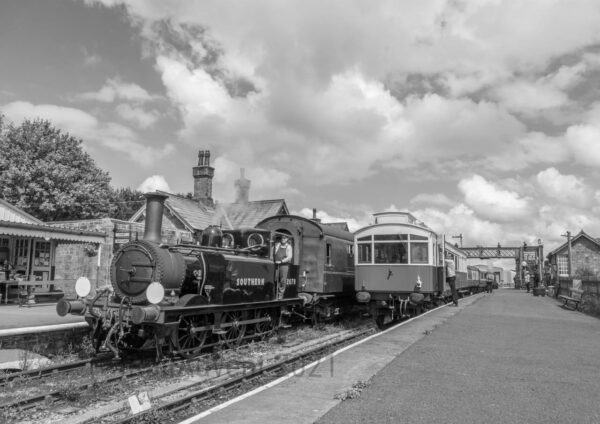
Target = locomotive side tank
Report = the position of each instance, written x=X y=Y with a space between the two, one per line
x=322 y=263
x=179 y=299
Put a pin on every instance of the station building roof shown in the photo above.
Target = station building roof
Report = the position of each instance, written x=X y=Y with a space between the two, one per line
x=193 y=215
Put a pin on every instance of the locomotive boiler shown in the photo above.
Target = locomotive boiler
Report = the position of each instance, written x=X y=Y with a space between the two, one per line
x=180 y=299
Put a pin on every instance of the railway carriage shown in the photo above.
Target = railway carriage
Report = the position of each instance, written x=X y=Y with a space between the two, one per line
x=396 y=255
x=322 y=263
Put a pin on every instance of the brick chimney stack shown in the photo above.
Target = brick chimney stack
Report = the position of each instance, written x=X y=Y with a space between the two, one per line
x=203 y=175
x=242 y=188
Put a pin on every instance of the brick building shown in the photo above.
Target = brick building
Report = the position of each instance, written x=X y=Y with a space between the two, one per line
x=584 y=256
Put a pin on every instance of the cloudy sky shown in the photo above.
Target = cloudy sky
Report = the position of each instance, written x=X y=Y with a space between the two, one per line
x=480 y=117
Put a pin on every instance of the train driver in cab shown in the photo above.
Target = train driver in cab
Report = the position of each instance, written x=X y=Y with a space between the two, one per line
x=283 y=258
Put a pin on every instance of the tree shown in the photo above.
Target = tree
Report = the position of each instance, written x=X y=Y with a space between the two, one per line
x=126 y=202
x=47 y=174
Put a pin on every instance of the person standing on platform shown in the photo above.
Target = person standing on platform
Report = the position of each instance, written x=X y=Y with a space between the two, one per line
x=283 y=258
x=527 y=281
x=451 y=278
x=490 y=282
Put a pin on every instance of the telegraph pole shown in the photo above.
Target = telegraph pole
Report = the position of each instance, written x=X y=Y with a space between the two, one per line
x=569 y=256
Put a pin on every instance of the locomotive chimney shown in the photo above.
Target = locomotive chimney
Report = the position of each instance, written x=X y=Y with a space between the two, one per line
x=242 y=187
x=155 y=203
x=203 y=175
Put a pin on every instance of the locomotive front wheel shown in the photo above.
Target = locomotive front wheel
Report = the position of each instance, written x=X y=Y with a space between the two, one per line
x=189 y=341
x=234 y=330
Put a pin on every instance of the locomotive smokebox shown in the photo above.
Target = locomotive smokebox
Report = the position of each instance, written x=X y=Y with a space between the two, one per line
x=155 y=204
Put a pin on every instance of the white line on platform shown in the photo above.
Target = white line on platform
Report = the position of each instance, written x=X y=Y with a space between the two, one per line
x=41 y=329
x=298 y=371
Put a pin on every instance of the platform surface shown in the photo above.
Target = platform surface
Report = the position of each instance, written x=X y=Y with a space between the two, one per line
x=41 y=314
x=508 y=357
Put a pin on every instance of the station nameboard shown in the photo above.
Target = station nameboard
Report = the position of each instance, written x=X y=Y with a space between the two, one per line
x=123 y=233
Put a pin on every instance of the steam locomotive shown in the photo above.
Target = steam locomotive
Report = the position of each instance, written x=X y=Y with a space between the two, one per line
x=178 y=300
x=183 y=298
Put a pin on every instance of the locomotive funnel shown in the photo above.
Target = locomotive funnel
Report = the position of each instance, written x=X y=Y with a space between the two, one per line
x=155 y=203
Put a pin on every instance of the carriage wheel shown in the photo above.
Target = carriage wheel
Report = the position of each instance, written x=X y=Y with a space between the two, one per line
x=233 y=335
x=189 y=343
x=265 y=328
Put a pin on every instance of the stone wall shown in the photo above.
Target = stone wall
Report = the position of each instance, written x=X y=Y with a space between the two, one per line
x=56 y=342
x=586 y=258
x=73 y=261
x=590 y=302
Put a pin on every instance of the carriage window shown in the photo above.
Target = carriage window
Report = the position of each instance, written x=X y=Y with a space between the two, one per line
x=391 y=237
x=415 y=237
x=391 y=253
x=364 y=253
x=419 y=253
x=328 y=254
x=365 y=238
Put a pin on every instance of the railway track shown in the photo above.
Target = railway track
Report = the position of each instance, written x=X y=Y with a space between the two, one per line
x=93 y=384
x=201 y=395
x=53 y=370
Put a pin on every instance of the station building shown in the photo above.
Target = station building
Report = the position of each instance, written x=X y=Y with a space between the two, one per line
x=579 y=262
x=31 y=252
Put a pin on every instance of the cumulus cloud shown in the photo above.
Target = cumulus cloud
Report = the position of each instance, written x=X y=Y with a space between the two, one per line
x=438 y=199
x=153 y=183
x=584 y=141
x=115 y=89
x=490 y=201
x=567 y=189
x=324 y=217
x=87 y=127
x=304 y=96
x=138 y=116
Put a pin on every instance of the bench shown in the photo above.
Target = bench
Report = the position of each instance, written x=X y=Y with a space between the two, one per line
x=31 y=291
x=575 y=298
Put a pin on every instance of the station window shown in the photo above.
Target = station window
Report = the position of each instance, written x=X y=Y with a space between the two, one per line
x=21 y=252
x=563 y=265
x=41 y=253
x=3 y=242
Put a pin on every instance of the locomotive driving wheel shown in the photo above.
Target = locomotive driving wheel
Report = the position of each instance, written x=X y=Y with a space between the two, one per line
x=190 y=339
x=265 y=328
x=234 y=330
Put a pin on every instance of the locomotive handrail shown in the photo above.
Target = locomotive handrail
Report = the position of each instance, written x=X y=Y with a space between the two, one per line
x=200 y=249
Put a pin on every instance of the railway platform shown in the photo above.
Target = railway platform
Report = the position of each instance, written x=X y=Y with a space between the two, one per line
x=499 y=358
x=15 y=316
x=21 y=328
